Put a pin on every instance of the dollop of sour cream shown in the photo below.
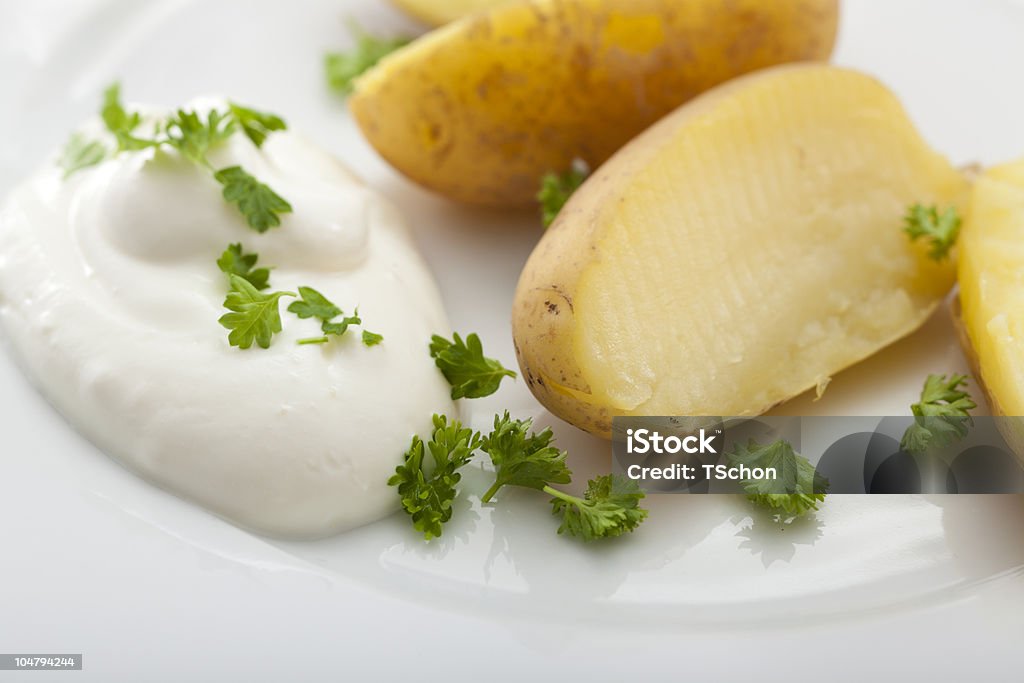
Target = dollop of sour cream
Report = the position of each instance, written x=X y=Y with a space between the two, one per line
x=110 y=293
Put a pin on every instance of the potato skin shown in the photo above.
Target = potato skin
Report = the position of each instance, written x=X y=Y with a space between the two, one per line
x=440 y=12
x=559 y=276
x=480 y=109
x=543 y=315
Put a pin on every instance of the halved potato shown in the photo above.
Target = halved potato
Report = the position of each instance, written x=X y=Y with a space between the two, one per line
x=741 y=251
x=991 y=274
x=481 y=109
x=439 y=12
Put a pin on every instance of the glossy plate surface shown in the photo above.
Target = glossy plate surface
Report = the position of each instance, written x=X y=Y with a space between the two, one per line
x=149 y=587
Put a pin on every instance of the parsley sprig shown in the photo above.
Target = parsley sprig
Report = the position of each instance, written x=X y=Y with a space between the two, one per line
x=261 y=206
x=253 y=316
x=522 y=459
x=234 y=261
x=256 y=125
x=313 y=304
x=122 y=123
x=798 y=488
x=463 y=364
x=81 y=152
x=556 y=188
x=941 y=417
x=610 y=506
x=941 y=229
x=193 y=136
x=428 y=493
x=342 y=68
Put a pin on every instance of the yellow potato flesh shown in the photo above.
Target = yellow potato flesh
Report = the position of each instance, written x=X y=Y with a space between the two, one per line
x=439 y=12
x=738 y=253
x=481 y=109
x=991 y=273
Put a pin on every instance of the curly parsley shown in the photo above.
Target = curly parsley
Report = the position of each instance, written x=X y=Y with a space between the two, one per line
x=427 y=492
x=941 y=230
x=522 y=459
x=798 y=488
x=610 y=507
x=941 y=417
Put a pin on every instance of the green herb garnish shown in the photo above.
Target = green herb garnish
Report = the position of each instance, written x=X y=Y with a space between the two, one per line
x=315 y=305
x=371 y=338
x=610 y=507
x=798 y=488
x=427 y=491
x=81 y=152
x=260 y=205
x=555 y=190
x=463 y=364
x=254 y=316
x=234 y=261
x=342 y=68
x=256 y=125
x=193 y=136
x=941 y=230
x=522 y=459
x=941 y=417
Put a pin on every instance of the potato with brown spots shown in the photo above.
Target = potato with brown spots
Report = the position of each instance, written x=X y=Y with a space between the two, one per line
x=479 y=110
x=738 y=253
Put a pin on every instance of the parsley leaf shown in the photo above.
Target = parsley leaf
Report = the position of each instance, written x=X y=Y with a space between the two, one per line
x=313 y=305
x=234 y=261
x=339 y=328
x=121 y=122
x=555 y=190
x=610 y=507
x=797 y=490
x=254 y=316
x=342 y=68
x=81 y=152
x=188 y=133
x=521 y=460
x=941 y=417
x=942 y=229
x=428 y=498
x=116 y=118
x=371 y=338
x=464 y=365
x=316 y=305
x=193 y=137
x=260 y=205
x=256 y=125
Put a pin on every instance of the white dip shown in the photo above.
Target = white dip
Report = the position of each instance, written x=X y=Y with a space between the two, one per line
x=110 y=293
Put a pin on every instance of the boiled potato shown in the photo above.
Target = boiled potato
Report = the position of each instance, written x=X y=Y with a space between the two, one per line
x=739 y=252
x=991 y=274
x=481 y=109
x=438 y=12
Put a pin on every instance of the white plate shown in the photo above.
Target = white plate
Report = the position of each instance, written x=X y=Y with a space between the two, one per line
x=149 y=587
